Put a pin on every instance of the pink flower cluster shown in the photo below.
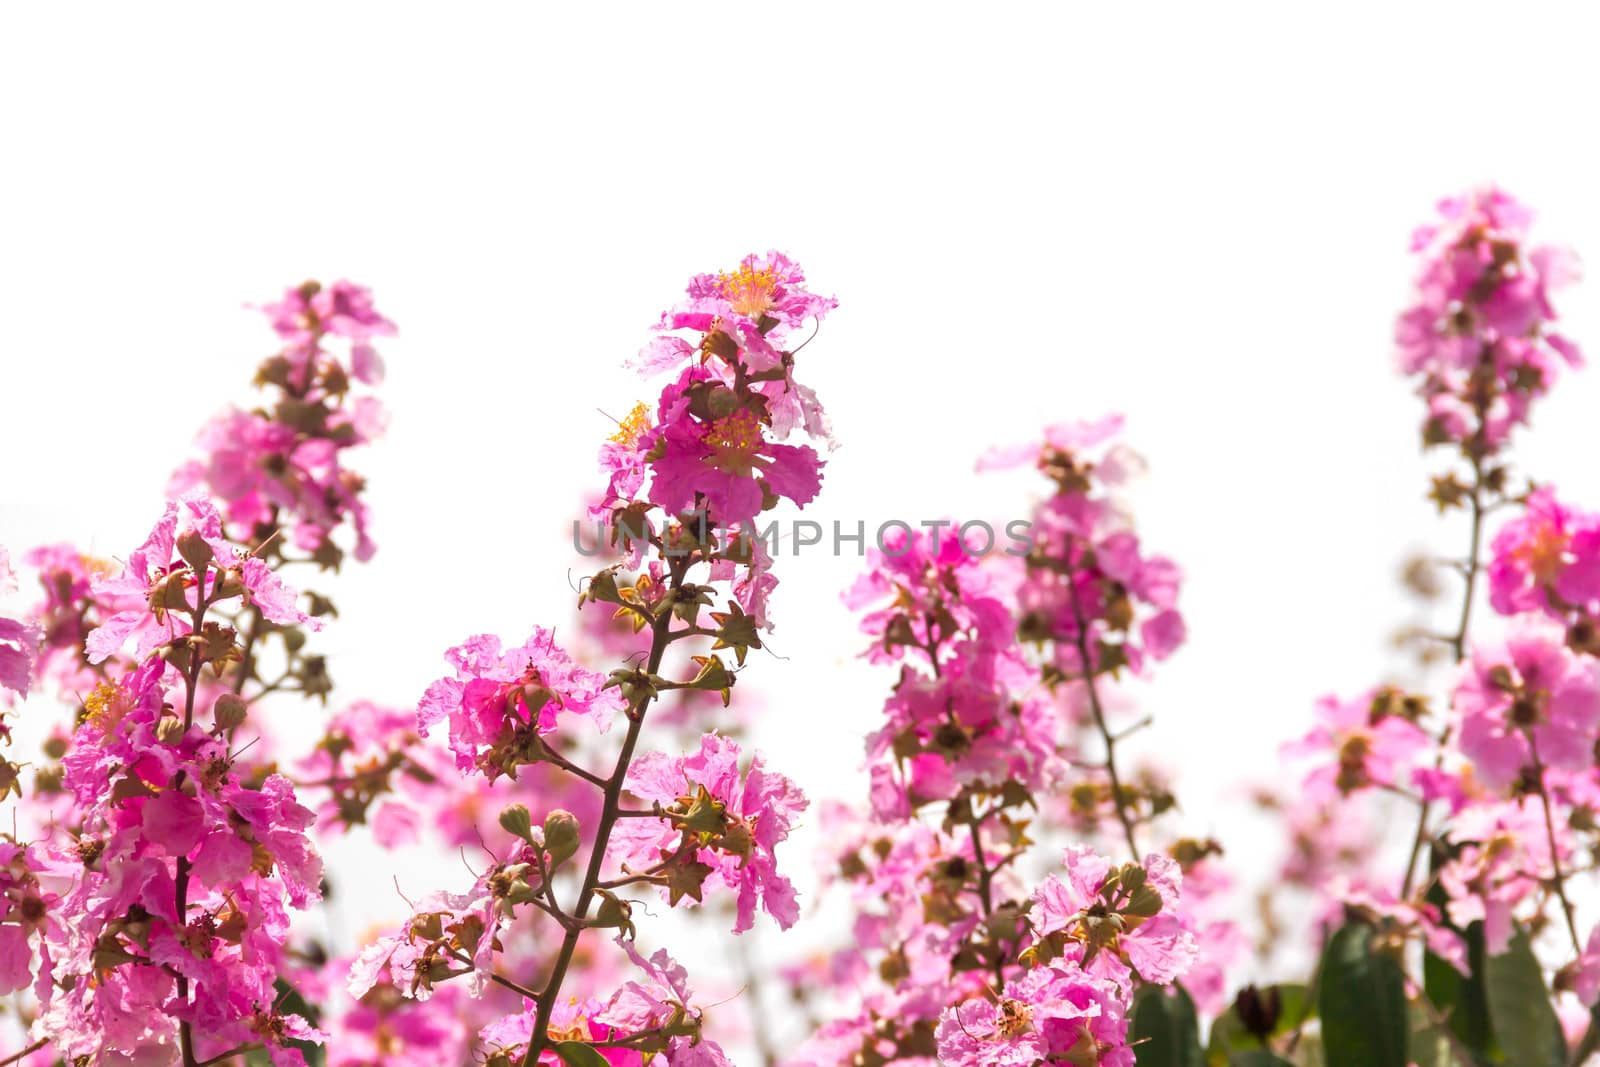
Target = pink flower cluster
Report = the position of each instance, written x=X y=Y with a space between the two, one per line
x=722 y=825
x=283 y=465
x=171 y=935
x=1478 y=337
x=1016 y=885
x=502 y=701
x=711 y=451
x=1090 y=588
x=954 y=958
x=685 y=488
x=961 y=715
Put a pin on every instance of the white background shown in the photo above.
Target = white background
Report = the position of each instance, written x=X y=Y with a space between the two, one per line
x=1195 y=214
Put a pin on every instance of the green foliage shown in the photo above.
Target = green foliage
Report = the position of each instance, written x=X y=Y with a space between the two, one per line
x=1520 y=1008
x=579 y=1054
x=1165 y=1029
x=1462 y=1000
x=1362 y=1001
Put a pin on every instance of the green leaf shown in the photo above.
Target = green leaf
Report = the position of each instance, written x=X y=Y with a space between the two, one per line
x=1257 y=1058
x=1362 y=1003
x=1519 y=1006
x=1165 y=1028
x=579 y=1054
x=1461 y=999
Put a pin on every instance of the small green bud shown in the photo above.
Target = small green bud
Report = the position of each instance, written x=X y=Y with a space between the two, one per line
x=230 y=711
x=560 y=836
x=516 y=821
x=170 y=730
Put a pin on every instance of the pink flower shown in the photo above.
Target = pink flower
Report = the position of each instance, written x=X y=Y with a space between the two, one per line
x=720 y=826
x=18 y=640
x=1062 y=437
x=748 y=318
x=449 y=934
x=1372 y=740
x=170 y=585
x=500 y=698
x=1478 y=334
x=1525 y=691
x=157 y=808
x=387 y=1028
x=343 y=308
x=1051 y=1014
x=725 y=462
x=1587 y=981
x=1117 y=922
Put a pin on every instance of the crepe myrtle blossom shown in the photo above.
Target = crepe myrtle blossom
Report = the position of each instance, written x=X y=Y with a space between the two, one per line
x=710 y=454
x=1527 y=701
x=384 y=1028
x=1500 y=866
x=1050 y=1014
x=715 y=825
x=376 y=769
x=1547 y=559
x=502 y=701
x=28 y=917
x=1374 y=742
x=1090 y=589
x=961 y=714
x=1478 y=336
x=1584 y=977
x=447 y=936
x=186 y=559
x=282 y=464
x=723 y=458
x=747 y=319
x=177 y=912
x=1118 y=922
x=649 y=1018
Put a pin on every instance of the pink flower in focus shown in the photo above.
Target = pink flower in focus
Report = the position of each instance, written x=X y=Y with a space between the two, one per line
x=1051 y=1014
x=500 y=699
x=732 y=823
x=170 y=586
x=1117 y=922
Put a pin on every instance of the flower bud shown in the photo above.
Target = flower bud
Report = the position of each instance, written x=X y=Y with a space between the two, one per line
x=516 y=821
x=229 y=711
x=170 y=730
x=194 y=550
x=560 y=836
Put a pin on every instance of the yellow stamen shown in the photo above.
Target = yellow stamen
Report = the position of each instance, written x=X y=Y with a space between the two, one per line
x=634 y=426
x=749 y=291
x=103 y=706
x=738 y=434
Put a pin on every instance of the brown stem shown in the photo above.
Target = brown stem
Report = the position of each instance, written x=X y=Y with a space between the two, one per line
x=661 y=637
x=986 y=895
x=1458 y=645
x=1110 y=740
x=17 y=1057
x=181 y=880
x=1555 y=852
